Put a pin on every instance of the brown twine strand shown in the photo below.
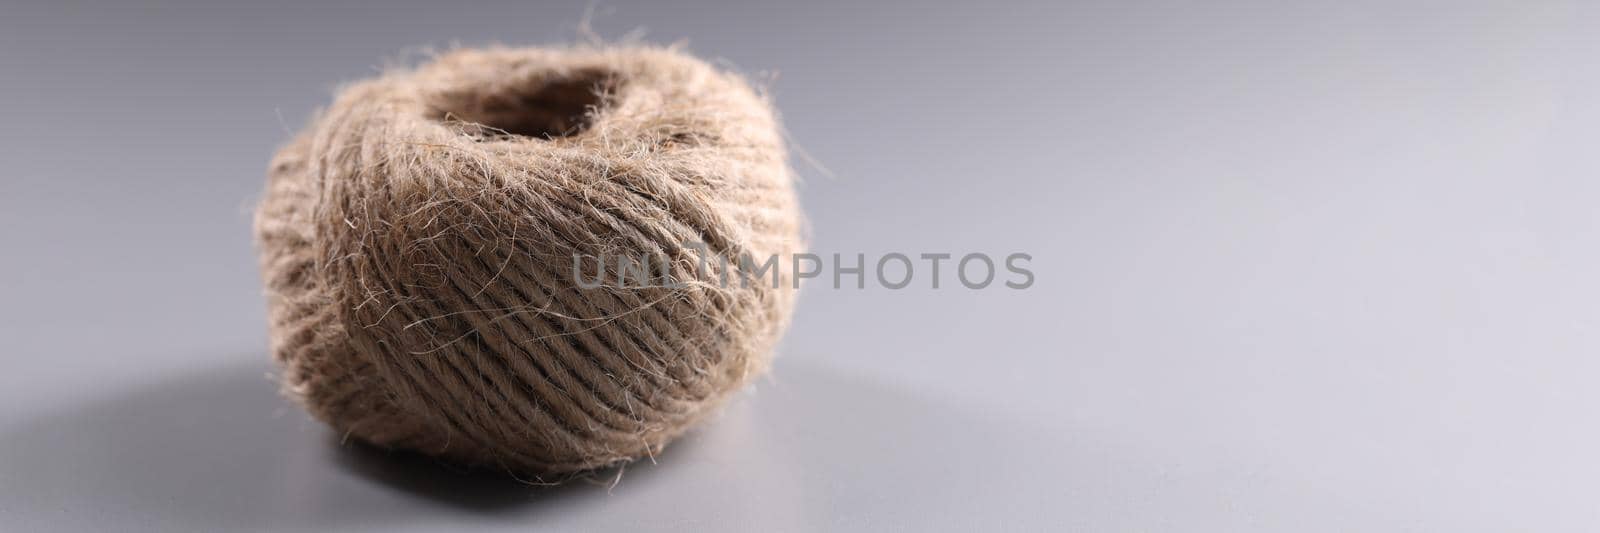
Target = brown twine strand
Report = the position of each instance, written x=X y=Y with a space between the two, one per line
x=417 y=244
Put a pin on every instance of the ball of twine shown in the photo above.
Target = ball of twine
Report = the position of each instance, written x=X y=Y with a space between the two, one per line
x=420 y=241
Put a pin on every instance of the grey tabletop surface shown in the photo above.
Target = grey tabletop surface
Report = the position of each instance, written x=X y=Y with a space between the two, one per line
x=1300 y=266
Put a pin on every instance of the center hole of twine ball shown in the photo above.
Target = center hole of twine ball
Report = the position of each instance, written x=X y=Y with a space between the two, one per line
x=544 y=108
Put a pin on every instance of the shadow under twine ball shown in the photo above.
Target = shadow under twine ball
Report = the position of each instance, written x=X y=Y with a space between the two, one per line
x=430 y=244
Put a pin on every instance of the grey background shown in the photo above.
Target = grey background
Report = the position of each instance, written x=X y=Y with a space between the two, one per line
x=1302 y=266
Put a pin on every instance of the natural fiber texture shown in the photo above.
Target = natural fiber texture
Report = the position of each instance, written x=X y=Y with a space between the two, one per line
x=417 y=244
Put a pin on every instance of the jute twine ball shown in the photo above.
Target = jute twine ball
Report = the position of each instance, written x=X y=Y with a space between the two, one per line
x=421 y=239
